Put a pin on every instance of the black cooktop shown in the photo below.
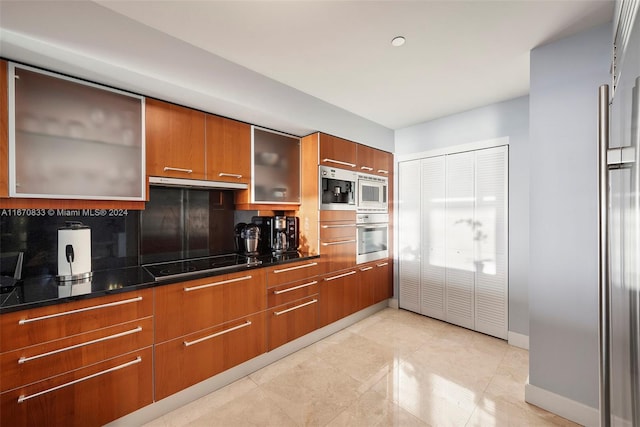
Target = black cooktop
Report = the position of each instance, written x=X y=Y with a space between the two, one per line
x=172 y=269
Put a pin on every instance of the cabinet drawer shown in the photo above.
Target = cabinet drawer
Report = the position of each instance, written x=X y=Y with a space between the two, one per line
x=286 y=273
x=30 y=327
x=290 y=321
x=339 y=296
x=332 y=231
x=339 y=254
x=283 y=294
x=198 y=304
x=35 y=363
x=92 y=396
x=185 y=361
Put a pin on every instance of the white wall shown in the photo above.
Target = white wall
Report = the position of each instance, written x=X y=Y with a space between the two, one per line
x=86 y=40
x=563 y=338
x=505 y=119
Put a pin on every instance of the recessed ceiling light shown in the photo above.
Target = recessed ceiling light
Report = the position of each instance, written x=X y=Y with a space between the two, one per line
x=398 y=41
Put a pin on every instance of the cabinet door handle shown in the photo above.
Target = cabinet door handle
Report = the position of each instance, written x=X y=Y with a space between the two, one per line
x=366 y=168
x=60 y=350
x=339 y=162
x=341 y=242
x=169 y=168
x=295 y=287
x=339 y=276
x=278 y=313
x=339 y=226
x=217 y=334
x=383 y=171
x=366 y=268
x=232 y=175
x=22 y=398
x=382 y=264
x=222 y=282
x=80 y=310
x=297 y=267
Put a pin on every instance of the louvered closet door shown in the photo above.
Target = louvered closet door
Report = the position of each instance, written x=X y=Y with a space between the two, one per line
x=491 y=242
x=409 y=226
x=459 y=229
x=432 y=298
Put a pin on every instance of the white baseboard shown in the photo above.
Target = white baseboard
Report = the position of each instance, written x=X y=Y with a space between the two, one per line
x=518 y=340
x=393 y=303
x=560 y=405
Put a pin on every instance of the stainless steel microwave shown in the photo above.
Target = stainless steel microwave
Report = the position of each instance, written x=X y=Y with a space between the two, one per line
x=372 y=193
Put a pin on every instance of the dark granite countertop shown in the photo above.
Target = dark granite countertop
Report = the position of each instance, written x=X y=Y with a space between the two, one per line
x=41 y=291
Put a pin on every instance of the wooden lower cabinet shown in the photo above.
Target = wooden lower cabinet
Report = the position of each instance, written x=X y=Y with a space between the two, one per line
x=338 y=296
x=32 y=364
x=374 y=283
x=187 y=360
x=187 y=307
x=383 y=285
x=34 y=326
x=91 y=396
x=290 y=321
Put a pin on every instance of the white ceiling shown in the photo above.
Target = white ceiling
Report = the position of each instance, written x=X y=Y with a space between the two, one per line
x=458 y=55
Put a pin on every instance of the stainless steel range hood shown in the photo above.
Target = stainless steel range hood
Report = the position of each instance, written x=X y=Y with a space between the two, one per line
x=196 y=183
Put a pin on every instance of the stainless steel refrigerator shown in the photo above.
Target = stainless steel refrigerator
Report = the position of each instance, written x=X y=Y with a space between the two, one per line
x=619 y=181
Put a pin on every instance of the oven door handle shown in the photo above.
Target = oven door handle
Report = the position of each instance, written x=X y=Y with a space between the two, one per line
x=385 y=225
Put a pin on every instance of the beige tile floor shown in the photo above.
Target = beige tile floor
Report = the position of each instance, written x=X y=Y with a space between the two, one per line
x=394 y=368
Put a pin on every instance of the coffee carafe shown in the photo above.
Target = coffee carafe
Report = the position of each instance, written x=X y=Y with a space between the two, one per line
x=280 y=241
x=247 y=238
x=251 y=238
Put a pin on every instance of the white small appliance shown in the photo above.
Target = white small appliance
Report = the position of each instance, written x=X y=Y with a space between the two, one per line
x=74 y=252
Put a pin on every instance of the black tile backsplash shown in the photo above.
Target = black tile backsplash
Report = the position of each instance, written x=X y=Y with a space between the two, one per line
x=177 y=223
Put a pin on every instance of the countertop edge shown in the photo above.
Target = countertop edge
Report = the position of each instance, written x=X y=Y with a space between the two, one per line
x=144 y=285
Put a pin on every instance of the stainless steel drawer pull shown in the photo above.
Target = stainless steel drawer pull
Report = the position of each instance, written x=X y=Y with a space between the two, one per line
x=60 y=350
x=339 y=276
x=341 y=242
x=222 y=282
x=217 y=334
x=339 y=162
x=169 y=168
x=295 y=287
x=80 y=310
x=382 y=264
x=366 y=268
x=233 y=175
x=366 y=168
x=383 y=171
x=278 y=313
x=339 y=226
x=88 y=377
x=297 y=267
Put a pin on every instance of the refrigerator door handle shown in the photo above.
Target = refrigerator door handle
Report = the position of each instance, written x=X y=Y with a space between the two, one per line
x=604 y=292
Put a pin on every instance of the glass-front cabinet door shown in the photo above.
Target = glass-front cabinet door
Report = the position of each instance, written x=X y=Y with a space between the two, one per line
x=70 y=139
x=276 y=164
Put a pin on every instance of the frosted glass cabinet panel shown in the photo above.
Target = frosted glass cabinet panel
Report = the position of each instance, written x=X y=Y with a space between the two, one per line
x=72 y=139
x=276 y=167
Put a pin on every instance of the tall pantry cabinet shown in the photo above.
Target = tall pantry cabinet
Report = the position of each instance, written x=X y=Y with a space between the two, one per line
x=452 y=236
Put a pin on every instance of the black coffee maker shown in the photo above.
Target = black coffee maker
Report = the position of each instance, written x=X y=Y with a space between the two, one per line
x=278 y=234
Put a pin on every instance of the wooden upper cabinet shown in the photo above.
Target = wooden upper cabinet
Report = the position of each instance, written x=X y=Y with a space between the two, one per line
x=175 y=140
x=374 y=161
x=337 y=152
x=228 y=148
